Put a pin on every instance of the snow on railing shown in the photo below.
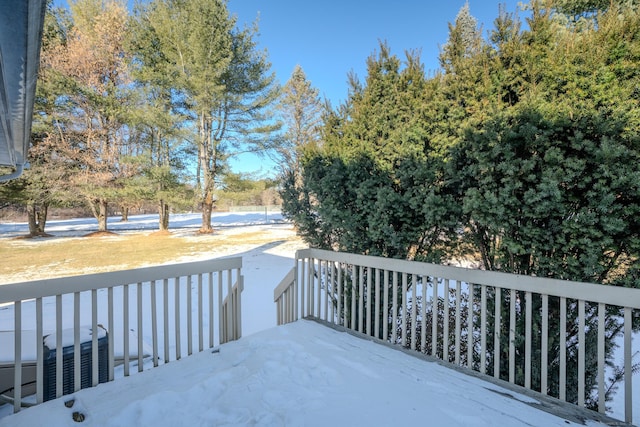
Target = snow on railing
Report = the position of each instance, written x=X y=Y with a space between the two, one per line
x=544 y=334
x=144 y=317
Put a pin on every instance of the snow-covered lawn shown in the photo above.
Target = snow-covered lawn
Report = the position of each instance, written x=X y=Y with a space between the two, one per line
x=298 y=374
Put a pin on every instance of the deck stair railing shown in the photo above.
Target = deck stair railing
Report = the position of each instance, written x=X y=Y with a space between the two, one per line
x=543 y=334
x=148 y=316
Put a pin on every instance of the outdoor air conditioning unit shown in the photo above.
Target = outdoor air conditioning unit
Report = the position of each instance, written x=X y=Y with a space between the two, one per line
x=49 y=371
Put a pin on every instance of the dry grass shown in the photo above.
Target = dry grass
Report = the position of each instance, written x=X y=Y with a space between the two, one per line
x=30 y=259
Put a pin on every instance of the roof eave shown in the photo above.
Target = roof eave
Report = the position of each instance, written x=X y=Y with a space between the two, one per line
x=21 y=23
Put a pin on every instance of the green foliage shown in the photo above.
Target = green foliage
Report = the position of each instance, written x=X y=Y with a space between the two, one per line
x=301 y=111
x=358 y=206
x=586 y=8
x=237 y=189
x=373 y=186
x=465 y=40
x=223 y=81
x=559 y=196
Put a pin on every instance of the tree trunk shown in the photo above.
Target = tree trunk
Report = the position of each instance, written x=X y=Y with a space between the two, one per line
x=207 y=209
x=99 y=210
x=31 y=214
x=163 y=214
x=102 y=215
x=37 y=218
x=125 y=214
x=41 y=217
x=208 y=162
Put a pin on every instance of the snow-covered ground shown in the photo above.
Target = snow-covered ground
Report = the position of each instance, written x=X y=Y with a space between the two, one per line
x=301 y=374
x=298 y=374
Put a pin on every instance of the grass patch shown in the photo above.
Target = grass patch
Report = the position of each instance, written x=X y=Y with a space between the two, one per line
x=29 y=259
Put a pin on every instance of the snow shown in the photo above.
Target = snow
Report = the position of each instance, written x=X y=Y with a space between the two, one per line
x=29 y=351
x=68 y=339
x=298 y=374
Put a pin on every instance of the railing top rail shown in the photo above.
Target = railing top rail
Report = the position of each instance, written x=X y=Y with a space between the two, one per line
x=612 y=295
x=284 y=284
x=64 y=285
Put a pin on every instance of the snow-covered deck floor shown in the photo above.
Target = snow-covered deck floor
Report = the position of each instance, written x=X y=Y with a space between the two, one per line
x=301 y=374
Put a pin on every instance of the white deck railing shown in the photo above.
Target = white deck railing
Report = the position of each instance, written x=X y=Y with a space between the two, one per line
x=536 y=332
x=151 y=316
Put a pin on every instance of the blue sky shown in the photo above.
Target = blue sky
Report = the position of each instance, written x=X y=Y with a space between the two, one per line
x=329 y=38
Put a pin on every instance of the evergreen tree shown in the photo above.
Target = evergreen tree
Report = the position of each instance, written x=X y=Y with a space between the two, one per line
x=157 y=125
x=373 y=186
x=224 y=82
x=465 y=40
x=301 y=111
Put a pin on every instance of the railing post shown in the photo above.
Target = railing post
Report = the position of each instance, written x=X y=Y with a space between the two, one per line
x=125 y=328
x=189 y=296
x=470 y=340
x=339 y=303
x=176 y=291
x=376 y=331
x=95 y=371
x=512 y=336
x=360 y=298
x=628 y=409
x=110 y=337
x=319 y=290
x=445 y=322
x=414 y=303
x=311 y=283
x=458 y=320
x=423 y=314
x=239 y=304
x=39 y=352
x=58 y=344
x=581 y=353
x=304 y=309
x=601 y=358
x=154 y=321
x=221 y=314
x=139 y=330
x=327 y=279
x=165 y=332
x=434 y=317
x=544 y=344
x=403 y=311
x=394 y=315
x=385 y=306
x=563 y=349
x=354 y=276
x=17 y=372
x=496 y=332
x=527 y=341
x=210 y=292
x=483 y=329
x=295 y=292
x=76 y=342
